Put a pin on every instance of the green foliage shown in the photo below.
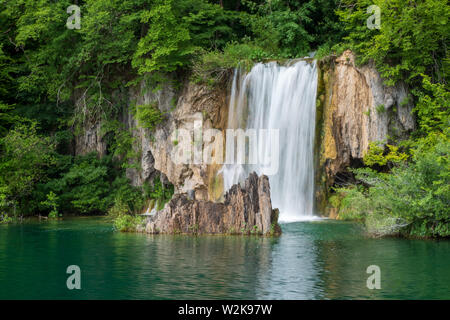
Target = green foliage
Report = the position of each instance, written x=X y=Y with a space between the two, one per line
x=376 y=155
x=52 y=203
x=50 y=61
x=128 y=196
x=411 y=41
x=412 y=200
x=328 y=49
x=345 y=199
x=86 y=186
x=432 y=107
x=167 y=45
x=210 y=25
x=214 y=67
x=291 y=29
x=149 y=116
x=120 y=142
x=158 y=192
x=119 y=208
x=127 y=223
x=6 y=119
x=283 y=28
x=380 y=108
x=4 y=218
x=35 y=31
x=25 y=157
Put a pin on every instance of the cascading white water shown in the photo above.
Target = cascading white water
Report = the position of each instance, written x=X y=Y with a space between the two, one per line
x=272 y=96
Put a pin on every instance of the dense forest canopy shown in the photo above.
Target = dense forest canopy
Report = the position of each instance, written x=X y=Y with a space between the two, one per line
x=46 y=68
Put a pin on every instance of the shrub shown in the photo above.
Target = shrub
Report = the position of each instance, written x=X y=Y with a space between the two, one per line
x=432 y=107
x=119 y=208
x=127 y=223
x=120 y=141
x=86 y=187
x=160 y=193
x=52 y=203
x=4 y=218
x=376 y=155
x=212 y=67
x=414 y=199
x=26 y=156
x=149 y=116
x=344 y=200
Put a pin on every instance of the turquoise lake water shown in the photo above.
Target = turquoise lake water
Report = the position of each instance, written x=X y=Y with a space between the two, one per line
x=311 y=260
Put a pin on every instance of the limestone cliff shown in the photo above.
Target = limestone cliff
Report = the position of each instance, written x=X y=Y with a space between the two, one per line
x=354 y=109
x=246 y=210
x=199 y=103
x=182 y=107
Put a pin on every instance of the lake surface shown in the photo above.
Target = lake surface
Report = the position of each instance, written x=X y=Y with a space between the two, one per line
x=311 y=260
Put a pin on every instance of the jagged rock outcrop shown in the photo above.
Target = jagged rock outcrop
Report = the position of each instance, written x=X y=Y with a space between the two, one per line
x=354 y=109
x=246 y=210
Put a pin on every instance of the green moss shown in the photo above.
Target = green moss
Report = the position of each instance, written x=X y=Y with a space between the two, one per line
x=406 y=101
x=255 y=230
x=380 y=108
x=321 y=187
x=173 y=103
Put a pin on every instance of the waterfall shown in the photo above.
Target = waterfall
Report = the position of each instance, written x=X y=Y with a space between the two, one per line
x=283 y=98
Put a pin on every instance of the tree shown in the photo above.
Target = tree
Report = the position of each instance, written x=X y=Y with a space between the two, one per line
x=25 y=157
x=167 y=45
x=412 y=39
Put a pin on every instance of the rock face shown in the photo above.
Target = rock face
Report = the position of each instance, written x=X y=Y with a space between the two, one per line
x=150 y=145
x=354 y=109
x=194 y=104
x=90 y=141
x=246 y=210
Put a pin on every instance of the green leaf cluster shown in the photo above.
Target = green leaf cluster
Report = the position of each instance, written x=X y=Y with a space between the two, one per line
x=412 y=38
x=376 y=155
x=413 y=199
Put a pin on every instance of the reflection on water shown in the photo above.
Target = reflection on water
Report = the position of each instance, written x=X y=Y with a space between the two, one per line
x=311 y=260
